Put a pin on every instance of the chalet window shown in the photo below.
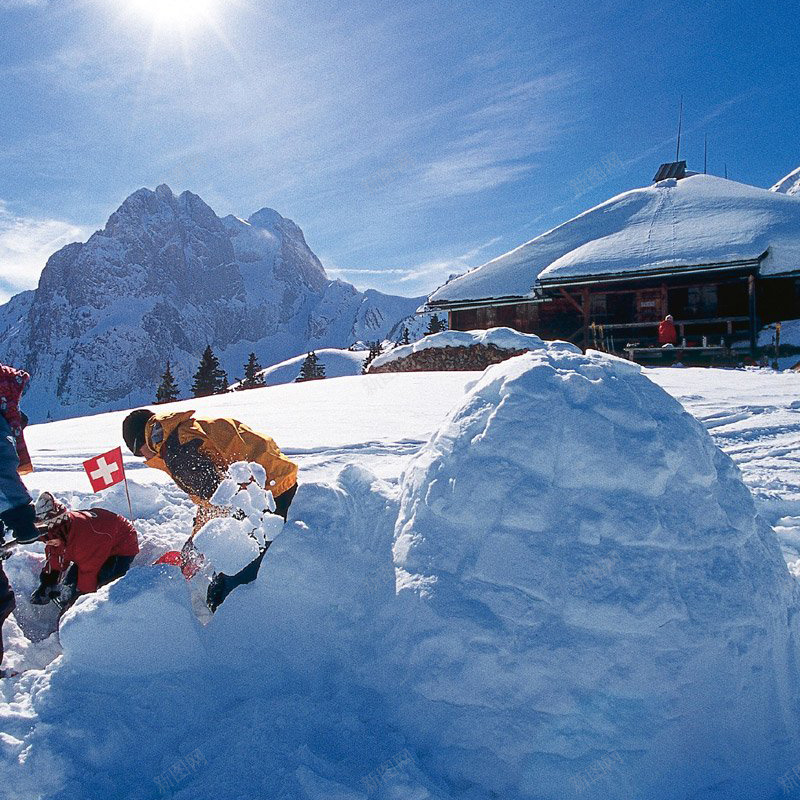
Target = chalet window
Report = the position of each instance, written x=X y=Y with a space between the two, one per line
x=702 y=301
x=598 y=309
x=621 y=307
x=676 y=302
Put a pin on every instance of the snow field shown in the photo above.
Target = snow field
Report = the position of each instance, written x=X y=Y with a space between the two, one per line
x=590 y=585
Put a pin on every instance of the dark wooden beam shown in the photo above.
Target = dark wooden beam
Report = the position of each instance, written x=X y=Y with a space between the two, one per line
x=571 y=300
x=585 y=302
x=751 y=293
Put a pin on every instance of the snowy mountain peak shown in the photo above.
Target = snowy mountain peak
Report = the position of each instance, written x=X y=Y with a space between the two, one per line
x=162 y=208
x=266 y=218
x=164 y=278
x=790 y=184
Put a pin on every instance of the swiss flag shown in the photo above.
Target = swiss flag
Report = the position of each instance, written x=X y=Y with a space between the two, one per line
x=105 y=470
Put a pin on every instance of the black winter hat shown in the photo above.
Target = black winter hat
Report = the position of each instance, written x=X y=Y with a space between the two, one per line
x=133 y=428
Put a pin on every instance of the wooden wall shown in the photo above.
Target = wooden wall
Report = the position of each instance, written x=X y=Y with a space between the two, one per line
x=561 y=318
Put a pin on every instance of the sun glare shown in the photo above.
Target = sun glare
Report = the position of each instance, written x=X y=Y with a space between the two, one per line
x=175 y=13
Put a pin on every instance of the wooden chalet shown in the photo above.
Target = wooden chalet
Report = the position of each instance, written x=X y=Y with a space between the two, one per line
x=721 y=257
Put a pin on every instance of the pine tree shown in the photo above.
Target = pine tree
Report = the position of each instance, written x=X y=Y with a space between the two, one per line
x=252 y=374
x=311 y=370
x=375 y=349
x=209 y=378
x=168 y=390
x=405 y=339
x=436 y=325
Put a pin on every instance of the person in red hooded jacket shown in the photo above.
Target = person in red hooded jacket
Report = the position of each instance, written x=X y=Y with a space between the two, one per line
x=666 y=331
x=84 y=550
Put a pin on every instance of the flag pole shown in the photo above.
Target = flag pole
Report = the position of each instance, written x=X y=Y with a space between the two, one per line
x=127 y=493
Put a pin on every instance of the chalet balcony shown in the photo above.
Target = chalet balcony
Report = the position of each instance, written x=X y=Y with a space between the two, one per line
x=701 y=342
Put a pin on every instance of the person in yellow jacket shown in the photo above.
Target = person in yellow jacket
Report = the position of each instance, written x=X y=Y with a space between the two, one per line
x=196 y=453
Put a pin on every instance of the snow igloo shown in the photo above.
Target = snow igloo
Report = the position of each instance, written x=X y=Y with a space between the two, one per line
x=590 y=605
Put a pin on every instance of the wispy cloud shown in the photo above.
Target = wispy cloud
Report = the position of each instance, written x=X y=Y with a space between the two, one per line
x=320 y=129
x=25 y=245
x=420 y=278
x=497 y=136
x=469 y=171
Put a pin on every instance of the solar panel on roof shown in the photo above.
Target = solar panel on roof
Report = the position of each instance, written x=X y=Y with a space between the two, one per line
x=673 y=169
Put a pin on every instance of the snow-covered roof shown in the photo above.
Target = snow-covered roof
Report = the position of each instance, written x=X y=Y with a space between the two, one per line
x=699 y=221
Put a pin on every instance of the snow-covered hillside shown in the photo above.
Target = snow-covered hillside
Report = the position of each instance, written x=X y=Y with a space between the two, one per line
x=163 y=279
x=588 y=605
x=337 y=364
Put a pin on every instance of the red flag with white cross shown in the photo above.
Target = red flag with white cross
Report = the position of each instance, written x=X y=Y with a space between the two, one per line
x=105 y=470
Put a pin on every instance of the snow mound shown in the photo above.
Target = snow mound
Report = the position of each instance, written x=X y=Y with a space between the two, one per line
x=268 y=700
x=504 y=338
x=323 y=587
x=569 y=595
x=591 y=603
x=140 y=624
x=337 y=363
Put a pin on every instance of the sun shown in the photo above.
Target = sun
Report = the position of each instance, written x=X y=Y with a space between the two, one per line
x=175 y=13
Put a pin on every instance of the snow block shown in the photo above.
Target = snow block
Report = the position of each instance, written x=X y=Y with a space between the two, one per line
x=226 y=543
x=140 y=624
x=323 y=587
x=589 y=604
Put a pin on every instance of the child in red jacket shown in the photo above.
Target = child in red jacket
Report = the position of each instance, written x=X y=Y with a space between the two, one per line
x=84 y=549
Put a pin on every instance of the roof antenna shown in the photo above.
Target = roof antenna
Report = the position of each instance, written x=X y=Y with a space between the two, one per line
x=705 y=155
x=680 y=121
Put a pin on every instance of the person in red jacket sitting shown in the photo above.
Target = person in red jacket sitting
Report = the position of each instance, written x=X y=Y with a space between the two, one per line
x=666 y=331
x=84 y=550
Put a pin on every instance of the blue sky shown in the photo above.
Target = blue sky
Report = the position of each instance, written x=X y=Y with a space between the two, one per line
x=408 y=140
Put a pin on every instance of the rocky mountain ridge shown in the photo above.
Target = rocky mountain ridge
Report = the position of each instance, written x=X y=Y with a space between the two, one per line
x=165 y=277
